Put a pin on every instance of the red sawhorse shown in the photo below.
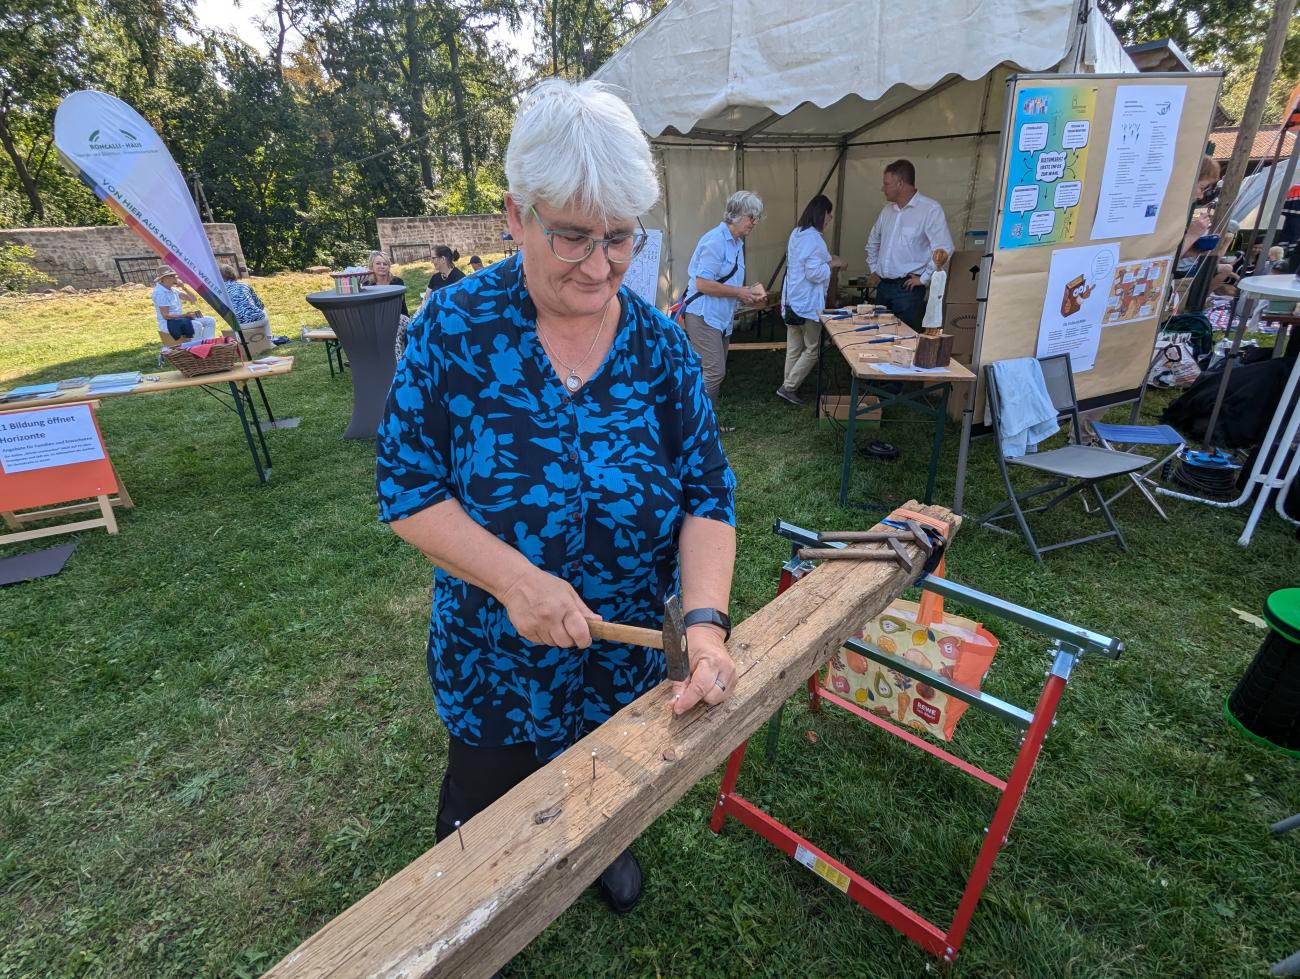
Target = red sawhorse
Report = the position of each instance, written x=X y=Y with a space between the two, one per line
x=1069 y=643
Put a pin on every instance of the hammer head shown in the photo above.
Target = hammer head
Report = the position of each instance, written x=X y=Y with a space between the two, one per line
x=679 y=662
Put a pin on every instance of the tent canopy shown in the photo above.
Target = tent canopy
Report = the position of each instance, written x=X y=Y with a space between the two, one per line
x=789 y=99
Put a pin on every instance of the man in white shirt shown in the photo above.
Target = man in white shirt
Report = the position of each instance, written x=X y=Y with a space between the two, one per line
x=173 y=322
x=902 y=242
x=716 y=284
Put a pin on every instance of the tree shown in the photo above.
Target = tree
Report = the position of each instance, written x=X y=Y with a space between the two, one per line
x=39 y=60
x=575 y=37
x=1213 y=33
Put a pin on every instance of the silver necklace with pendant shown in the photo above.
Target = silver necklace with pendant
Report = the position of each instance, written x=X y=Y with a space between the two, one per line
x=572 y=382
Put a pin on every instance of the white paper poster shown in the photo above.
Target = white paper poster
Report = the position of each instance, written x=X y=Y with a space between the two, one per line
x=1139 y=159
x=642 y=276
x=48 y=437
x=1078 y=285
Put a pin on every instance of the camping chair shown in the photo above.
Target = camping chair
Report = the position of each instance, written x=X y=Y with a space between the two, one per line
x=1073 y=468
x=1111 y=436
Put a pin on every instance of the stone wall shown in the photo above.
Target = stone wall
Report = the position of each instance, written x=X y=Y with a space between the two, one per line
x=469 y=234
x=84 y=257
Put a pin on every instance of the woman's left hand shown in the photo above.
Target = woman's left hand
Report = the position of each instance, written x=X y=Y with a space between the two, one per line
x=713 y=674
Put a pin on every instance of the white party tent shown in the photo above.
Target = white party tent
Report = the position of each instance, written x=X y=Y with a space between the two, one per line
x=786 y=98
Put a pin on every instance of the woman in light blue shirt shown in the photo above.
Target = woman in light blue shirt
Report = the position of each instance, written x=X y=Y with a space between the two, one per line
x=809 y=265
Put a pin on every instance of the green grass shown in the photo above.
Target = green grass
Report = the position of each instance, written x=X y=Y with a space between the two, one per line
x=216 y=730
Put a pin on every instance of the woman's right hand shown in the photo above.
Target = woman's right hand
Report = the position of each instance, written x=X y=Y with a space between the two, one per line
x=546 y=610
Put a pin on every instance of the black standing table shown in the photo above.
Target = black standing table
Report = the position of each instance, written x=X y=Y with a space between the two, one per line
x=365 y=323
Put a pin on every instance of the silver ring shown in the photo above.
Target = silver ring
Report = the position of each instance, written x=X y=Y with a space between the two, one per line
x=717 y=682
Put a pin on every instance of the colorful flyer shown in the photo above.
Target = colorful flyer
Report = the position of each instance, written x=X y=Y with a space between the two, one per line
x=1047 y=165
x=1136 y=291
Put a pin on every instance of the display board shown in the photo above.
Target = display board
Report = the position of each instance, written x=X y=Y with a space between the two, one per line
x=1093 y=192
x=49 y=456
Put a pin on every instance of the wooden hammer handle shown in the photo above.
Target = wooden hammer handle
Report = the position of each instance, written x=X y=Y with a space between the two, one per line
x=844 y=554
x=617 y=632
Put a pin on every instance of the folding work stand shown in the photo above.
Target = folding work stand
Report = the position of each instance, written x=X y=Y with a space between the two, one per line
x=1069 y=643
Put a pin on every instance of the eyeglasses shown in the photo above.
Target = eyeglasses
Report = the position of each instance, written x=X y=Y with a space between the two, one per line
x=574 y=247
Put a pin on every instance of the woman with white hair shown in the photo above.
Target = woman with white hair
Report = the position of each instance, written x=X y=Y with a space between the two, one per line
x=716 y=284
x=550 y=448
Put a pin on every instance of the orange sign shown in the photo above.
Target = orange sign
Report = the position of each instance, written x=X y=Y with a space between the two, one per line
x=52 y=455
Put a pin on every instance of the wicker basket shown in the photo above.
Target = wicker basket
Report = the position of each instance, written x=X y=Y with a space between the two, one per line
x=222 y=357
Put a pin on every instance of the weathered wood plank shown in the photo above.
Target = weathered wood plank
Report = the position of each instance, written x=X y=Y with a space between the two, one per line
x=466 y=913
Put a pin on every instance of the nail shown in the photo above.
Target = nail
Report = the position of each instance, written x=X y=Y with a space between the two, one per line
x=593 y=764
x=460 y=835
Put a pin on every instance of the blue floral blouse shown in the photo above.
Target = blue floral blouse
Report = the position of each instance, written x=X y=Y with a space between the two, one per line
x=592 y=487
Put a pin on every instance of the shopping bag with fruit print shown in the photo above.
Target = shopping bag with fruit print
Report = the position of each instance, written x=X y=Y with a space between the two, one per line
x=921 y=634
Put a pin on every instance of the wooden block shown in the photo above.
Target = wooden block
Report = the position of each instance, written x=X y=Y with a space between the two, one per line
x=466 y=913
x=934 y=351
x=763 y=345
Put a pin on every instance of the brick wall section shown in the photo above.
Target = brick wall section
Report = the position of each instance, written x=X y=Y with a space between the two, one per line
x=469 y=234
x=83 y=257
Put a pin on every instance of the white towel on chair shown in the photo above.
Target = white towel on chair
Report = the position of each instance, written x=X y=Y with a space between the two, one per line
x=1026 y=415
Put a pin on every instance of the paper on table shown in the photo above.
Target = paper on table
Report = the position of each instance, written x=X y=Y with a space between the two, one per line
x=1139 y=159
x=1078 y=286
x=896 y=369
x=31 y=391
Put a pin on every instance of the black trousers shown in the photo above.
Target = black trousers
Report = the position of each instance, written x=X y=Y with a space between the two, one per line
x=478 y=777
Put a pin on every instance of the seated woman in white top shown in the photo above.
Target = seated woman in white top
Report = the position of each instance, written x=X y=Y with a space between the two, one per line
x=174 y=323
x=808 y=268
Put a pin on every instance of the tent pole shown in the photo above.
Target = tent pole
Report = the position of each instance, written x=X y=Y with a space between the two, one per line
x=668 y=221
x=843 y=164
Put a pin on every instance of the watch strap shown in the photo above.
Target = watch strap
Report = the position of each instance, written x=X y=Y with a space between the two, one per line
x=712 y=616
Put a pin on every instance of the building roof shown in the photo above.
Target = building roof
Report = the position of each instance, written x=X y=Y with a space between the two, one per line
x=1265 y=144
x=1162 y=55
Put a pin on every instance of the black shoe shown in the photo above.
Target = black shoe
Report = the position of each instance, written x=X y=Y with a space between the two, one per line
x=785 y=394
x=620 y=884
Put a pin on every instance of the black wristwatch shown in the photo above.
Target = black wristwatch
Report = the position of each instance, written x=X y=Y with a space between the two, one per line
x=710 y=615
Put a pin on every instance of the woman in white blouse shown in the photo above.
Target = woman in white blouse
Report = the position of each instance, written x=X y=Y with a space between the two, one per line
x=809 y=265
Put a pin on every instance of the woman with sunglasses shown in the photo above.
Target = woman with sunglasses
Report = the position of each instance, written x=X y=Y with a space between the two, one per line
x=550 y=447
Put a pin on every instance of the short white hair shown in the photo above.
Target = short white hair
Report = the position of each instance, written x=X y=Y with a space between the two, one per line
x=742 y=204
x=578 y=145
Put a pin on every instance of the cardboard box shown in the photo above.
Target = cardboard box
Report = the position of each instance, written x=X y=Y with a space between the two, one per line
x=963 y=277
x=837 y=406
x=257 y=337
x=960 y=320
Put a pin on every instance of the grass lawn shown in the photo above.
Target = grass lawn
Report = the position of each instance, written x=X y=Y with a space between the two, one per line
x=216 y=729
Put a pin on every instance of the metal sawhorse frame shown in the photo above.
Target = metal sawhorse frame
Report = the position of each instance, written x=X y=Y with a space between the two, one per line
x=1069 y=643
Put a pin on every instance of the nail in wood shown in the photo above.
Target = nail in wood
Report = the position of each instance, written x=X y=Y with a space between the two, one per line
x=593 y=764
x=460 y=835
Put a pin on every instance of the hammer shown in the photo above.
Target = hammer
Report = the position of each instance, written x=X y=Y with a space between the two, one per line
x=672 y=640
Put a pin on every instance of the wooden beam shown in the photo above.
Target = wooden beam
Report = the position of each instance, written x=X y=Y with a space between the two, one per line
x=527 y=857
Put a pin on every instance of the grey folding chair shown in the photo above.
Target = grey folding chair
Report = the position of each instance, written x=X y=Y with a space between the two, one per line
x=1073 y=468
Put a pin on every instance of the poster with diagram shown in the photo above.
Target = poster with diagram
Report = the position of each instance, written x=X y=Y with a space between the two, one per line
x=1136 y=291
x=1078 y=285
x=1048 y=165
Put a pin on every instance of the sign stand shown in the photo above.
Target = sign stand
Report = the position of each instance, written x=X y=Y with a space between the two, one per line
x=50 y=457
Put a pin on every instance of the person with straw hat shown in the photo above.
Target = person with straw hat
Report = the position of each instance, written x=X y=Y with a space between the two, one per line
x=175 y=323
